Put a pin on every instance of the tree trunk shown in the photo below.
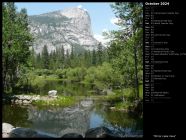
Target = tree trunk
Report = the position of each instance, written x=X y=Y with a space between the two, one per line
x=5 y=72
x=136 y=73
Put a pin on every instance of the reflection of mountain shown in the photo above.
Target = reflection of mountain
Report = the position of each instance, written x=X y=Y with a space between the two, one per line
x=85 y=115
x=60 y=121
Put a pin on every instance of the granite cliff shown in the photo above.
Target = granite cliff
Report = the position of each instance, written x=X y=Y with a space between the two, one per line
x=68 y=27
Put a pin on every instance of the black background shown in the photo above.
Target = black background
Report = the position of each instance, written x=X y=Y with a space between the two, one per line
x=167 y=118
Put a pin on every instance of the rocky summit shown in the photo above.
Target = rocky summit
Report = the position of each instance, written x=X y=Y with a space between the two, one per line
x=70 y=27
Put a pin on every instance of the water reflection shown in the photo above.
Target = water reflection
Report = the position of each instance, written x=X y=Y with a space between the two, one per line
x=64 y=88
x=78 y=119
x=17 y=116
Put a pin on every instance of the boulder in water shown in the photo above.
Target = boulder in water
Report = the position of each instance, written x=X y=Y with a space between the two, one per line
x=6 y=129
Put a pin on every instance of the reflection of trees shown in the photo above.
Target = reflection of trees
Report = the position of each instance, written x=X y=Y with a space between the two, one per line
x=17 y=116
x=119 y=119
x=75 y=89
x=63 y=88
x=60 y=121
x=50 y=85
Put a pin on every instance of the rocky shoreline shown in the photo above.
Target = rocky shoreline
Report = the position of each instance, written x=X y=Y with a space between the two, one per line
x=28 y=100
x=9 y=131
x=25 y=99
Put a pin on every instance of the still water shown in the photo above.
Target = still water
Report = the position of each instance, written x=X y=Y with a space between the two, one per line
x=79 y=118
x=64 y=88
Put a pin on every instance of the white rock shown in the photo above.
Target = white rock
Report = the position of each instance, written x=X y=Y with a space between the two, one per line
x=7 y=128
x=26 y=102
x=52 y=93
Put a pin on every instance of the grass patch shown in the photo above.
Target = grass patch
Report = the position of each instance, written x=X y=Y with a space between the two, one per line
x=62 y=101
x=123 y=105
x=106 y=97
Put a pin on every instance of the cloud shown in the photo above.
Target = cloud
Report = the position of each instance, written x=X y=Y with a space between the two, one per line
x=85 y=9
x=115 y=20
x=101 y=39
x=79 y=6
x=105 y=30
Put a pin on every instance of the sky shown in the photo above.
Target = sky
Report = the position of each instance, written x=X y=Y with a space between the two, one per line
x=101 y=14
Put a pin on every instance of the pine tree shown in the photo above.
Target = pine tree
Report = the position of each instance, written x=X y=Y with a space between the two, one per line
x=33 y=58
x=93 y=57
x=38 y=61
x=67 y=59
x=45 y=57
x=62 y=56
x=16 y=40
x=72 y=53
x=100 y=54
x=128 y=43
x=86 y=59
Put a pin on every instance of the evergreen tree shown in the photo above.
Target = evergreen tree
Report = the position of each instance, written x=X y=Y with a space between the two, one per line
x=126 y=49
x=72 y=53
x=45 y=57
x=38 y=61
x=86 y=59
x=89 y=59
x=100 y=54
x=33 y=58
x=93 y=57
x=62 y=56
x=54 y=60
x=51 y=60
x=67 y=59
x=16 y=40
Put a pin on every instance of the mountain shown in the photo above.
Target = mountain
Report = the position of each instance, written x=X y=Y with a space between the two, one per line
x=68 y=27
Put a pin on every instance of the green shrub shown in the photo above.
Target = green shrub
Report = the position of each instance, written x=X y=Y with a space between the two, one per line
x=123 y=105
x=90 y=75
x=61 y=73
x=76 y=74
x=129 y=94
x=41 y=72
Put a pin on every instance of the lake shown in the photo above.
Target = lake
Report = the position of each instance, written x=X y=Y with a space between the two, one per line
x=86 y=114
x=79 y=119
x=64 y=88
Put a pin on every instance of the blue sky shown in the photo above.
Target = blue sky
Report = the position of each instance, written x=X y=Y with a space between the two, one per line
x=101 y=14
